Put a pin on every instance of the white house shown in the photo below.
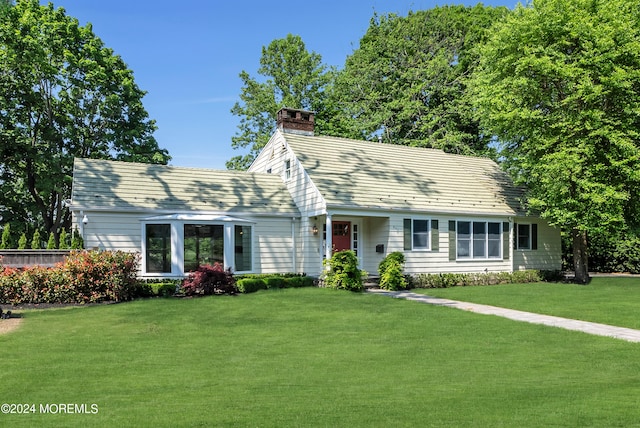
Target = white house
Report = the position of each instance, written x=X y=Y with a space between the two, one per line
x=306 y=196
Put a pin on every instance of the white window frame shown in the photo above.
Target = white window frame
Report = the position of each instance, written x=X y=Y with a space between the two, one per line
x=286 y=170
x=486 y=240
x=413 y=233
x=177 y=223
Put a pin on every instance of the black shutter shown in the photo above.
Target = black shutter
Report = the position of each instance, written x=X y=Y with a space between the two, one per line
x=505 y=240
x=534 y=236
x=452 y=239
x=435 y=235
x=407 y=234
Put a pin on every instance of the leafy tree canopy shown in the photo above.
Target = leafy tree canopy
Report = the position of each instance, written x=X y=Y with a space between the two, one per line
x=407 y=81
x=294 y=78
x=559 y=85
x=64 y=95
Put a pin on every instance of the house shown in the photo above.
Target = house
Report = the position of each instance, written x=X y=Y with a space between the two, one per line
x=306 y=196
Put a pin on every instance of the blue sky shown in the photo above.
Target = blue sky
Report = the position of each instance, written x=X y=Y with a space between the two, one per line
x=188 y=54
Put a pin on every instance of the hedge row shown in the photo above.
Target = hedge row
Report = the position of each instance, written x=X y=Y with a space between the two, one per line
x=445 y=280
x=84 y=277
x=253 y=283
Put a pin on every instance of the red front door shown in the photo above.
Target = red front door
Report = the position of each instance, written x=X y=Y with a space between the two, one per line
x=341 y=235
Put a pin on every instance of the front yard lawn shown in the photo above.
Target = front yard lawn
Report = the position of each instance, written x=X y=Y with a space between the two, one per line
x=608 y=300
x=311 y=357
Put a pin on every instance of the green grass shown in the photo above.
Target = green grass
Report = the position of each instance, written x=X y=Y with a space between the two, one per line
x=312 y=357
x=608 y=300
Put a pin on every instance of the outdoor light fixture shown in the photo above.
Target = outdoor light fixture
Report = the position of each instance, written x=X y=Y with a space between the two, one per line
x=85 y=219
x=314 y=229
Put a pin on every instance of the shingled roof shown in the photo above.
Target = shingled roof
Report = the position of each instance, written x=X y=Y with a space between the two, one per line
x=101 y=184
x=360 y=174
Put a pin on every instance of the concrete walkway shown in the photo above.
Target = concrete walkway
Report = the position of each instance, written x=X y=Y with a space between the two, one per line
x=622 y=333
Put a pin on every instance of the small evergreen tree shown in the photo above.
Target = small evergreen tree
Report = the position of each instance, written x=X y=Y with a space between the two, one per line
x=35 y=241
x=77 y=243
x=51 y=243
x=64 y=245
x=22 y=242
x=6 y=237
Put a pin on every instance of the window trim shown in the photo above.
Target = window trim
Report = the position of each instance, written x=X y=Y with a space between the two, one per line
x=533 y=237
x=286 y=170
x=486 y=240
x=409 y=242
x=177 y=223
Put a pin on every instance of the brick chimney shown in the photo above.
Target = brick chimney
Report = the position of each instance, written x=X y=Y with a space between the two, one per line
x=295 y=121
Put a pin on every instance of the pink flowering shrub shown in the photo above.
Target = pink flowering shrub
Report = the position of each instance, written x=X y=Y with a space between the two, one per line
x=84 y=277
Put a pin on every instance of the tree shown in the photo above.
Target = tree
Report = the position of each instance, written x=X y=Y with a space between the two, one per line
x=35 y=240
x=64 y=245
x=407 y=81
x=559 y=86
x=6 y=237
x=295 y=78
x=64 y=95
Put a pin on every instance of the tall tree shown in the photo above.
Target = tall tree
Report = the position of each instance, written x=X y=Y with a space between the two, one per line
x=406 y=82
x=294 y=78
x=559 y=85
x=64 y=95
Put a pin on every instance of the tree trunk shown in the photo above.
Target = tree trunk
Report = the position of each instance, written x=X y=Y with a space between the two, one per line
x=580 y=256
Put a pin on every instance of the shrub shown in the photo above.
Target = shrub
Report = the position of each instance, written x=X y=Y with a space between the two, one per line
x=446 y=280
x=251 y=285
x=343 y=272
x=22 y=241
x=209 y=279
x=5 y=242
x=298 y=282
x=77 y=242
x=64 y=245
x=51 y=243
x=274 y=282
x=163 y=289
x=35 y=241
x=84 y=277
x=390 y=271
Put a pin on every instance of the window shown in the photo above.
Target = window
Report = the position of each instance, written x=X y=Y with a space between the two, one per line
x=158 y=248
x=287 y=169
x=416 y=234
x=478 y=240
x=526 y=236
x=203 y=244
x=242 y=256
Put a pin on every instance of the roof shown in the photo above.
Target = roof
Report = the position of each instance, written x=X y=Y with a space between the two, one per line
x=362 y=174
x=113 y=185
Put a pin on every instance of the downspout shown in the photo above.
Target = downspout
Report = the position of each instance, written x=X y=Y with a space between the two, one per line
x=293 y=245
x=511 y=241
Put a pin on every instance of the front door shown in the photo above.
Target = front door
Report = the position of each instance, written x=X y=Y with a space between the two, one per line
x=341 y=238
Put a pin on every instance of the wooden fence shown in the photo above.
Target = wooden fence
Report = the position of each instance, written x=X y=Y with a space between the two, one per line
x=23 y=258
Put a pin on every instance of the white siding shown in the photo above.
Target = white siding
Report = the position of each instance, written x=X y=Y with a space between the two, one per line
x=437 y=261
x=548 y=255
x=111 y=231
x=274 y=246
x=304 y=193
x=272 y=238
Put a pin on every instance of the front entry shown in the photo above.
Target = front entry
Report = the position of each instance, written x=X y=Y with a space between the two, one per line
x=341 y=236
